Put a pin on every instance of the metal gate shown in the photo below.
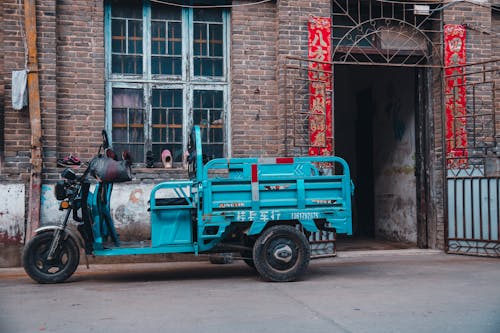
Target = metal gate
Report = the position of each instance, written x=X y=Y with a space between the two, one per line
x=473 y=158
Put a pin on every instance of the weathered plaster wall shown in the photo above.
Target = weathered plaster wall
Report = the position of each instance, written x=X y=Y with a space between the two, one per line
x=392 y=145
x=394 y=157
x=129 y=204
x=129 y=209
x=12 y=212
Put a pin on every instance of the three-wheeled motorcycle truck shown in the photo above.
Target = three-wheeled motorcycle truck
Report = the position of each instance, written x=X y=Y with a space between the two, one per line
x=262 y=208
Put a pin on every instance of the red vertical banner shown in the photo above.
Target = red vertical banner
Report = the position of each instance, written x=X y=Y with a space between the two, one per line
x=320 y=86
x=455 y=96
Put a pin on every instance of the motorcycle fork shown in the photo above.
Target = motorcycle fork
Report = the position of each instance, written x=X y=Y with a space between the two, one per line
x=58 y=233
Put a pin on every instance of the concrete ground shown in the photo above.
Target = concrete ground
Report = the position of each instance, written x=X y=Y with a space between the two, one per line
x=359 y=291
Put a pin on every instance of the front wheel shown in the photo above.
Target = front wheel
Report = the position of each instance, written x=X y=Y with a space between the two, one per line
x=281 y=254
x=58 y=269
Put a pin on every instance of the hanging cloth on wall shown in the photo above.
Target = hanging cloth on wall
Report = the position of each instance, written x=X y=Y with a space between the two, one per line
x=19 y=91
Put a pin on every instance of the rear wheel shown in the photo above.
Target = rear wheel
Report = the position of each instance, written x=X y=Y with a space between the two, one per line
x=58 y=269
x=281 y=254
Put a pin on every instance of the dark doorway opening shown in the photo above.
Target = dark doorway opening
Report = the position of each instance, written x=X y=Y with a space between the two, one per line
x=375 y=131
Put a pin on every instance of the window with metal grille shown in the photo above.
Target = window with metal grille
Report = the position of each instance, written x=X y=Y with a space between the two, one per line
x=167 y=69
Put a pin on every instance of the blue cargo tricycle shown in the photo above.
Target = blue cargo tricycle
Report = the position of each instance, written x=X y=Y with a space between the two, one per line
x=265 y=209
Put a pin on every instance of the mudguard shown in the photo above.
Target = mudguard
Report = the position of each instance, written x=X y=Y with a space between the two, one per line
x=69 y=232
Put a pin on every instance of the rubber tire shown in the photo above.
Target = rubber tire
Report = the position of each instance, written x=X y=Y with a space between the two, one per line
x=248 y=258
x=277 y=236
x=68 y=246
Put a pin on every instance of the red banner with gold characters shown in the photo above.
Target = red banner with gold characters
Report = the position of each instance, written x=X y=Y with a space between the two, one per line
x=320 y=86
x=455 y=96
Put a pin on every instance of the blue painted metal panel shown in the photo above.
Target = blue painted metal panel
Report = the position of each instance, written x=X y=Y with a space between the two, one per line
x=245 y=190
x=190 y=248
x=291 y=191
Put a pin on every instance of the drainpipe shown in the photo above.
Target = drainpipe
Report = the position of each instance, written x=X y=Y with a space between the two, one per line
x=35 y=120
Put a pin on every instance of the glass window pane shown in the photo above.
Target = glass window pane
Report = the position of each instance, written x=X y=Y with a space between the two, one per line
x=216 y=135
x=174 y=38
x=135 y=37
x=127 y=98
x=117 y=64
x=129 y=64
x=166 y=57
x=197 y=101
x=135 y=150
x=206 y=67
x=128 y=121
x=213 y=150
x=118 y=32
x=175 y=116
x=216 y=40
x=136 y=134
x=217 y=98
x=158 y=38
x=156 y=65
x=217 y=67
x=166 y=100
x=207 y=15
x=175 y=134
x=117 y=45
x=216 y=117
x=126 y=36
x=164 y=12
x=160 y=65
x=159 y=134
x=158 y=116
x=177 y=98
x=177 y=66
x=197 y=66
x=200 y=39
x=126 y=8
x=119 y=134
x=167 y=119
x=208 y=113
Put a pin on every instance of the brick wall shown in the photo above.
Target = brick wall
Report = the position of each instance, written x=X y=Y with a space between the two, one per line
x=293 y=16
x=16 y=123
x=47 y=50
x=2 y=90
x=71 y=73
x=495 y=28
x=71 y=61
x=259 y=47
x=495 y=44
x=254 y=90
x=80 y=77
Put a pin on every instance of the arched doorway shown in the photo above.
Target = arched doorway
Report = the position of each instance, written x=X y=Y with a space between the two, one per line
x=385 y=56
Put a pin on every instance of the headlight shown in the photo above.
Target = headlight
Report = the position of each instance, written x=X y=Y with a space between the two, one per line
x=60 y=190
x=68 y=174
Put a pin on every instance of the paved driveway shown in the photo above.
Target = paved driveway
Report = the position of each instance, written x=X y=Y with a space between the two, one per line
x=375 y=291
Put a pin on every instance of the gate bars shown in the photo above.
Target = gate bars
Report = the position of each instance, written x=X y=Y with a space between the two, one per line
x=473 y=176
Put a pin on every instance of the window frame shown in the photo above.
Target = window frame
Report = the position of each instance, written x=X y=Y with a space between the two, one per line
x=187 y=81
